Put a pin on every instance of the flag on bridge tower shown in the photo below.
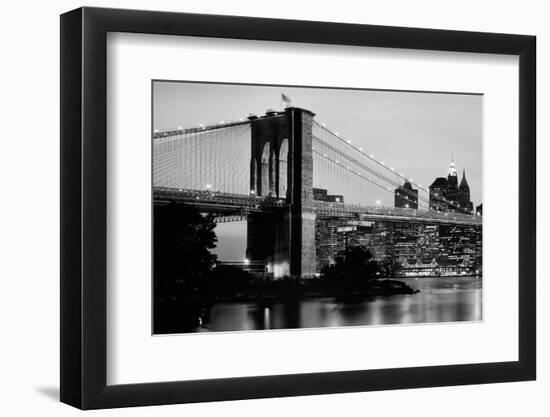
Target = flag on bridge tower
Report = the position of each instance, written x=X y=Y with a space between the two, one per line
x=285 y=99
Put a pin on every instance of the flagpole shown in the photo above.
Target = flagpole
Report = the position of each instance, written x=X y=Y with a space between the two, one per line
x=284 y=99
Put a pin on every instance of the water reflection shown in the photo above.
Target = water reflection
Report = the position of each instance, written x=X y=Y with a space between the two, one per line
x=439 y=300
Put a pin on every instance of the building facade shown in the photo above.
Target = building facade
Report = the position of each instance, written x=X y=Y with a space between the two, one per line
x=406 y=196
x=479 y=210
x=321 y=194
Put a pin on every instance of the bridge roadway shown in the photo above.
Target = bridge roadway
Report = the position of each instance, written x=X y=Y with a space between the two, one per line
x=239 y=205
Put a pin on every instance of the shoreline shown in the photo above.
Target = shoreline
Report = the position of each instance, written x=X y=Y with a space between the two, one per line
x=280 y=290
x=288 y=290
x=439 y=276
x=189 y=311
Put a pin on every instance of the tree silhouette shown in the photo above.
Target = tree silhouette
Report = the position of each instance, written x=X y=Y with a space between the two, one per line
x=183 y=238
x=356 y=263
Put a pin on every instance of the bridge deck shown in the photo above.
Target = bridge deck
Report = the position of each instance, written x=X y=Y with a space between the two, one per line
x=395 y=214
x=232 y=204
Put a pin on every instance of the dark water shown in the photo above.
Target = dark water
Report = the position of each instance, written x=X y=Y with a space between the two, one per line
x=439 y=300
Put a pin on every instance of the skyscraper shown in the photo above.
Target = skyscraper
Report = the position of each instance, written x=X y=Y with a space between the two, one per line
x=451 y=193
x=464 y=194
x=447 y=195
x=437 y=194
x=406 y=196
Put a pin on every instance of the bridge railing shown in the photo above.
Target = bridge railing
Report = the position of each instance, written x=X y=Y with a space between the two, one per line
x=253 y=202
x=350 y=209
x=216 y=197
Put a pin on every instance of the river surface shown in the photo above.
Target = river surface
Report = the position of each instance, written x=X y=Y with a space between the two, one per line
x=439 y=300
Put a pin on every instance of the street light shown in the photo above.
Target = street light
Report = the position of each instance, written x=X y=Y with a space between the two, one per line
x=208 y=186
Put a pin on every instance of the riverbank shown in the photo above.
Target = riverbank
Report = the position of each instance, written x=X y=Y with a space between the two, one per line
x=186 y=311
x=439 y=276
x=309 y=288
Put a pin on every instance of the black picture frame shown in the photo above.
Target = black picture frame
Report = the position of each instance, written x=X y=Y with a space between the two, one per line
x=84 y=207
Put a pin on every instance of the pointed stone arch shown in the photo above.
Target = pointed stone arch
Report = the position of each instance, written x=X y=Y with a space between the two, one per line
x=254 y=176
x=282 y=181
x=273 y=175
x=265 y=170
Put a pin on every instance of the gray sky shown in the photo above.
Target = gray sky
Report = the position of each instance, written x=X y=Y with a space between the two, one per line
x=414 y=132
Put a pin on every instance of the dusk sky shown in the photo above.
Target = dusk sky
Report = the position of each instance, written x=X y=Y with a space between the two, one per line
x=412 y=131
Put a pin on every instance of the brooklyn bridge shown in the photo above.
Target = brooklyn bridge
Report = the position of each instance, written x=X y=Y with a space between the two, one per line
x=287 y=175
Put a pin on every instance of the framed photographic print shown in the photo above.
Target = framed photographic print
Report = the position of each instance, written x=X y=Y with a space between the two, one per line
x=256 y=208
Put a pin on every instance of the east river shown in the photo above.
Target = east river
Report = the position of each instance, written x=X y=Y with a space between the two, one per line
x=443 y=299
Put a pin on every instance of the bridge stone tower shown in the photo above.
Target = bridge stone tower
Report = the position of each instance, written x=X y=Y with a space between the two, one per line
x=281 y=166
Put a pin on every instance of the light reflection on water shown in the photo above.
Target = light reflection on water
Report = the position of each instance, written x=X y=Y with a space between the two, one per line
x=439 y=300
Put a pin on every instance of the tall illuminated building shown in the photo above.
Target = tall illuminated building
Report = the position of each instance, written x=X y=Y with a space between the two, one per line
x=447 y=195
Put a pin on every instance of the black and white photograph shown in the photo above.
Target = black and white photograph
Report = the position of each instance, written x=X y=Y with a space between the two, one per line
x=286 y=207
